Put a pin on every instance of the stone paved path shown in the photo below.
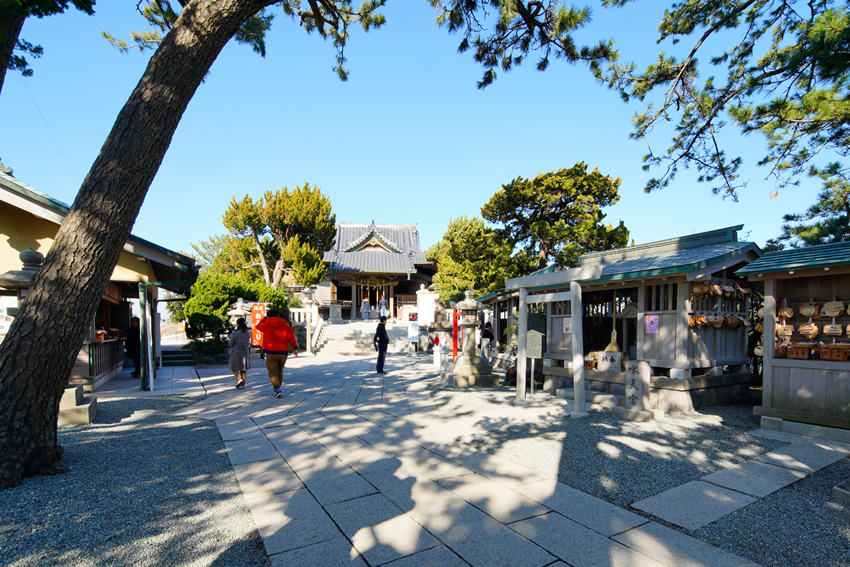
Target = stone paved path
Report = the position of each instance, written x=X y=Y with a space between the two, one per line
x=351 y=467
x=698 y=503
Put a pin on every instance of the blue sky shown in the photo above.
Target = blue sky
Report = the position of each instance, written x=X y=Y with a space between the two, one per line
x=408 y=139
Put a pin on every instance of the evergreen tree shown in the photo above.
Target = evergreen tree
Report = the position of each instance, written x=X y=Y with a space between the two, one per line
x=825 y=222
x=785 y=75
x=302 y=223
x=558 y=215
x=245 y=219
x=474 y=256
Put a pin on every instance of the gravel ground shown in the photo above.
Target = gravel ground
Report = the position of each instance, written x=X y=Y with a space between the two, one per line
x=144 y=488
x=624 y=462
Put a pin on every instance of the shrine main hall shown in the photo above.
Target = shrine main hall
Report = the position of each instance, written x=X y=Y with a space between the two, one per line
x=370 y=260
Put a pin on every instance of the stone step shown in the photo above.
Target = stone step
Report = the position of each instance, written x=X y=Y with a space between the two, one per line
x=72 y=397
x=75 y=408
x=597 y=398
x=167 y=362
x=181 y=354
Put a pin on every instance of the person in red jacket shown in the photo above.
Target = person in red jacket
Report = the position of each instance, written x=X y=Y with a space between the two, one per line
x=277 y=338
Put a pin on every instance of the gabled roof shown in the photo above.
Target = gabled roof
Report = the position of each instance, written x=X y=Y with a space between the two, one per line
x=167 y=265
x=713 y=250
x=372 y=236
x=671 y=256
x=825 y=255
x=375 y=248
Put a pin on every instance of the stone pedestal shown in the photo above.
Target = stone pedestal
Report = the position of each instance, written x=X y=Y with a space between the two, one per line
x=470 y=371
x=335 y=314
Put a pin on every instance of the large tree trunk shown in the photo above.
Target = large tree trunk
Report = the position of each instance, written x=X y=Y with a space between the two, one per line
x=10 y=28
x=263 y=264
x=39 y=352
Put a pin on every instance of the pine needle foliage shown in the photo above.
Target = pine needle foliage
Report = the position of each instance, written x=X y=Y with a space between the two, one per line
x=557 y=216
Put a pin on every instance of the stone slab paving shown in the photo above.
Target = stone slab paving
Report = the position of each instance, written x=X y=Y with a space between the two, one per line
x=349 y=468
x=754 y=478
x=701 y=502
x=804 y=457
x=675 y=548
x=694 y=505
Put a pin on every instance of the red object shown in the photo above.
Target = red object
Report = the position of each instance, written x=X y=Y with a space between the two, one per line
x=258 y=311
x=277 y=335
x=436 y=341
x=454 y=335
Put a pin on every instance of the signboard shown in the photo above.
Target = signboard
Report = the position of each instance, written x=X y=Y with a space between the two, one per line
x=413 y=328
x=568 y=324
x=258 y=311
x=534 y=344
x=426 y=304
x=609 y=361
x=652 y=324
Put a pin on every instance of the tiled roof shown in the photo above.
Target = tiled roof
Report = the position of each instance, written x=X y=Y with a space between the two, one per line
x=401 y=255
x=799 y=258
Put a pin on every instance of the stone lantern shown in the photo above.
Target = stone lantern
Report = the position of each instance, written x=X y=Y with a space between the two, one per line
x=239 y=310
x=469 y=368
x=20 y=280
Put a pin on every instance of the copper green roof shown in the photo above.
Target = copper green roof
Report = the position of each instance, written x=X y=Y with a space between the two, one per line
x=822 y=256
x=674 y=262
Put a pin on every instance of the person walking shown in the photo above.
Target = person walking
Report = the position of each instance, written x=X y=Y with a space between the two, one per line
x=384 y=305
x=240 y=351
x=381 y=341
x=364 y=309
x=133 y=344
x=277 y=338
x=484 y=344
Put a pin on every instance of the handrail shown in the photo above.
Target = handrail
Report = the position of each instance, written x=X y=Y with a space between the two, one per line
x=317 y=332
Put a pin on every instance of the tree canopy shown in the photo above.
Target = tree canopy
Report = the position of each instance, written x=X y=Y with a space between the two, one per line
x=473 y=256
x=244 y=220
x=825 y=222
x=558 y=215
x=291 y=229
x=784 y=74
x=304 y=226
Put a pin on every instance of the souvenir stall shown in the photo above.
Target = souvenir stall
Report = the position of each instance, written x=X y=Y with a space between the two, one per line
x=806 y=340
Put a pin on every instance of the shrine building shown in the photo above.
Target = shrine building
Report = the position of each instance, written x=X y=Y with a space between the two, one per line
x=370 y=260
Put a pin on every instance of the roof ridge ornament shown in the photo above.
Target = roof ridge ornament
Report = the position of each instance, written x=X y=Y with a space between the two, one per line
x=372 y=238
x=6 y=170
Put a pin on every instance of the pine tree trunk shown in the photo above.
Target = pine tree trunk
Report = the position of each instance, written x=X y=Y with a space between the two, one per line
x=262 y=258
x=39 y=352
x=10 y=28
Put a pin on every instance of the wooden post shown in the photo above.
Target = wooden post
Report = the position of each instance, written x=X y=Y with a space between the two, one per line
x=683 y=329
x=768 y=342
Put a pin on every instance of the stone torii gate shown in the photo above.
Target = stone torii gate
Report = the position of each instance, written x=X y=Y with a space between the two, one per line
x=568 y=278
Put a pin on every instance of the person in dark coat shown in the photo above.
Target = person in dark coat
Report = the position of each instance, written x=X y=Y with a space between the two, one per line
x=133 y=344
x=381 y=341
